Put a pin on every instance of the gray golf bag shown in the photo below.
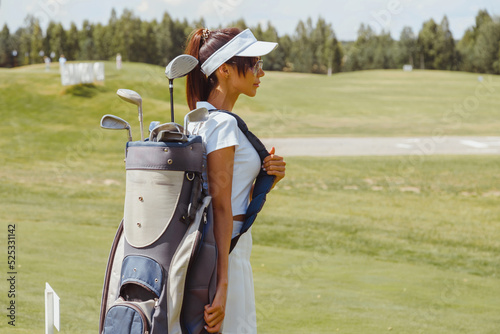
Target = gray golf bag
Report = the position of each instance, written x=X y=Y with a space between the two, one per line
x=162 y=265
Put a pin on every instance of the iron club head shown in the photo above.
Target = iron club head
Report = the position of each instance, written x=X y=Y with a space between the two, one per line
x=196 y=115
x=112 y=122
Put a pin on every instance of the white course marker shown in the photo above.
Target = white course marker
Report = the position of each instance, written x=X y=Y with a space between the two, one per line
x=51 y=310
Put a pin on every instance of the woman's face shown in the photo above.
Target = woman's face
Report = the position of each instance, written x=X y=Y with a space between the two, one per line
x=249 y=82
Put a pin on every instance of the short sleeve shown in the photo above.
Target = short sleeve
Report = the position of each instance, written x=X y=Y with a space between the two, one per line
x=220 y=131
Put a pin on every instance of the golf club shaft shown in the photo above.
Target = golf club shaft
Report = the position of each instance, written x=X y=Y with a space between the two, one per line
x=171 y=88
x=141 y=123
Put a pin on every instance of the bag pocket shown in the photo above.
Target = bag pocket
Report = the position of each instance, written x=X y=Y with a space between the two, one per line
x=128 y=317
x=140 y=287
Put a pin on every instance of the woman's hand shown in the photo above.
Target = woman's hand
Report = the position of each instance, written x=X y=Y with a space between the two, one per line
x=214 y=314
x=274 y=165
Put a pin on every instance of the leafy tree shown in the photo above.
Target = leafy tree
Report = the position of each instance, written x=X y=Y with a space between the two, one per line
x=164 y=39
x=407 y=47
x=384 y=51
x=24 y=36
x=302 y=54
x=465 y=51
x=427 y=44
x=5 y=46
x=73 y=44
x=180 y=30
x=274 y=61
x=86 y=42
x=479 y=47
x=102 y=43
x=15 y=45
x=112 y=36
x=286 y=44
x=482 y=17
x=148 y=38
x=487 y=48
x=36 y=40
x=445 y=58
x=324 y=43
x=128 y=28
x=352 y=57
x=57 y=42
x=337 y=56
x=48 y=37
x=360 y=54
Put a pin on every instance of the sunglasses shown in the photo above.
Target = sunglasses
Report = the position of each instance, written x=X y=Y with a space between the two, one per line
x=257 y=67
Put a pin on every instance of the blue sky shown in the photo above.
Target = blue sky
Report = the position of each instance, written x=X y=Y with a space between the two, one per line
x=345 y=16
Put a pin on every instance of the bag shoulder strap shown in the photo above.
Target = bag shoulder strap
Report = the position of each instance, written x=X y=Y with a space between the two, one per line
x=253 y=139
x=263 y=182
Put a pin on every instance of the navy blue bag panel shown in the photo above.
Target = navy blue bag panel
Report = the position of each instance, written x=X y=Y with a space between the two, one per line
x=140 y=273
x=140 y=287
x=125 y=318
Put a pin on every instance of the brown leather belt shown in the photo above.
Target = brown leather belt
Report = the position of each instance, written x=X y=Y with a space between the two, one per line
x=240 y=218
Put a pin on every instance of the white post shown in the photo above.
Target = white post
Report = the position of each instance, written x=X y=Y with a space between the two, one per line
x=51 y=310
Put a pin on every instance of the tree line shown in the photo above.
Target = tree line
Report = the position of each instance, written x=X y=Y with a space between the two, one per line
x=432 y=48
x=312 y=48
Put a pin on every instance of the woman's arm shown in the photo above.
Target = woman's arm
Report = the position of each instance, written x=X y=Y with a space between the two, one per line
x=220 y=179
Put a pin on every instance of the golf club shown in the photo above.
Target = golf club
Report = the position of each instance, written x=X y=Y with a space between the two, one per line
x=170 y=127
x=197 y=115
x=112 y=122
x=153 y=125
x=174 y=136
x=177 y=68
x=134 y=98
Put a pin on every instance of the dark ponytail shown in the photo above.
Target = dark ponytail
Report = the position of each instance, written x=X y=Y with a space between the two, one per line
x=198 y=86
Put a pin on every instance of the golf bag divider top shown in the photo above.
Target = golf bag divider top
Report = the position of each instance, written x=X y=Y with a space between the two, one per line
x=162 y=266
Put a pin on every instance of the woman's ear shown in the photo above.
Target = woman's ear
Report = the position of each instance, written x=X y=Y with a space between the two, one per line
x=224 y=71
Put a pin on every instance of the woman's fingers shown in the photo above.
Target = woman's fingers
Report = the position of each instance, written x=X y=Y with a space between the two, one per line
x=274 y=164
x=213 y=321
x=215 y=329
x=213 y=315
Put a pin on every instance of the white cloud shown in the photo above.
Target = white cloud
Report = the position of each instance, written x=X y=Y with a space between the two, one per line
x=144 y=6
x=173 y=2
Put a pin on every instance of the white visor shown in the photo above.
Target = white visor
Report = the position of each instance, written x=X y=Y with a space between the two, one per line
x=242 y=45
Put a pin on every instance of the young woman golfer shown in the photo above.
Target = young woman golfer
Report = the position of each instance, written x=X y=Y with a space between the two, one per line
x=229 y=65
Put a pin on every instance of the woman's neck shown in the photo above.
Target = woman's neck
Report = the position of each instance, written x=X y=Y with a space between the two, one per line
x=221 y=99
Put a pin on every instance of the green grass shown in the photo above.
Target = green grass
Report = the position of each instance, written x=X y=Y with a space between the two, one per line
x=376 y=103
x=360 y=245
x=366 y=103
x=348 y=245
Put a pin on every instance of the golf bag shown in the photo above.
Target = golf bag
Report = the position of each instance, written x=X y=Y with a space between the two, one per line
x=163 y=262
x=161 y=270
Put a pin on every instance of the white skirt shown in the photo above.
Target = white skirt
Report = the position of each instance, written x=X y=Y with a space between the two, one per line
x=240 y=315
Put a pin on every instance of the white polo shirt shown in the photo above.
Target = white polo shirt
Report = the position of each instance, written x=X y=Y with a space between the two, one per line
x=221 y=131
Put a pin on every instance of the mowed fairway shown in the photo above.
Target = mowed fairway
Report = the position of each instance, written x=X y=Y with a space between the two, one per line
x=344 y=245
